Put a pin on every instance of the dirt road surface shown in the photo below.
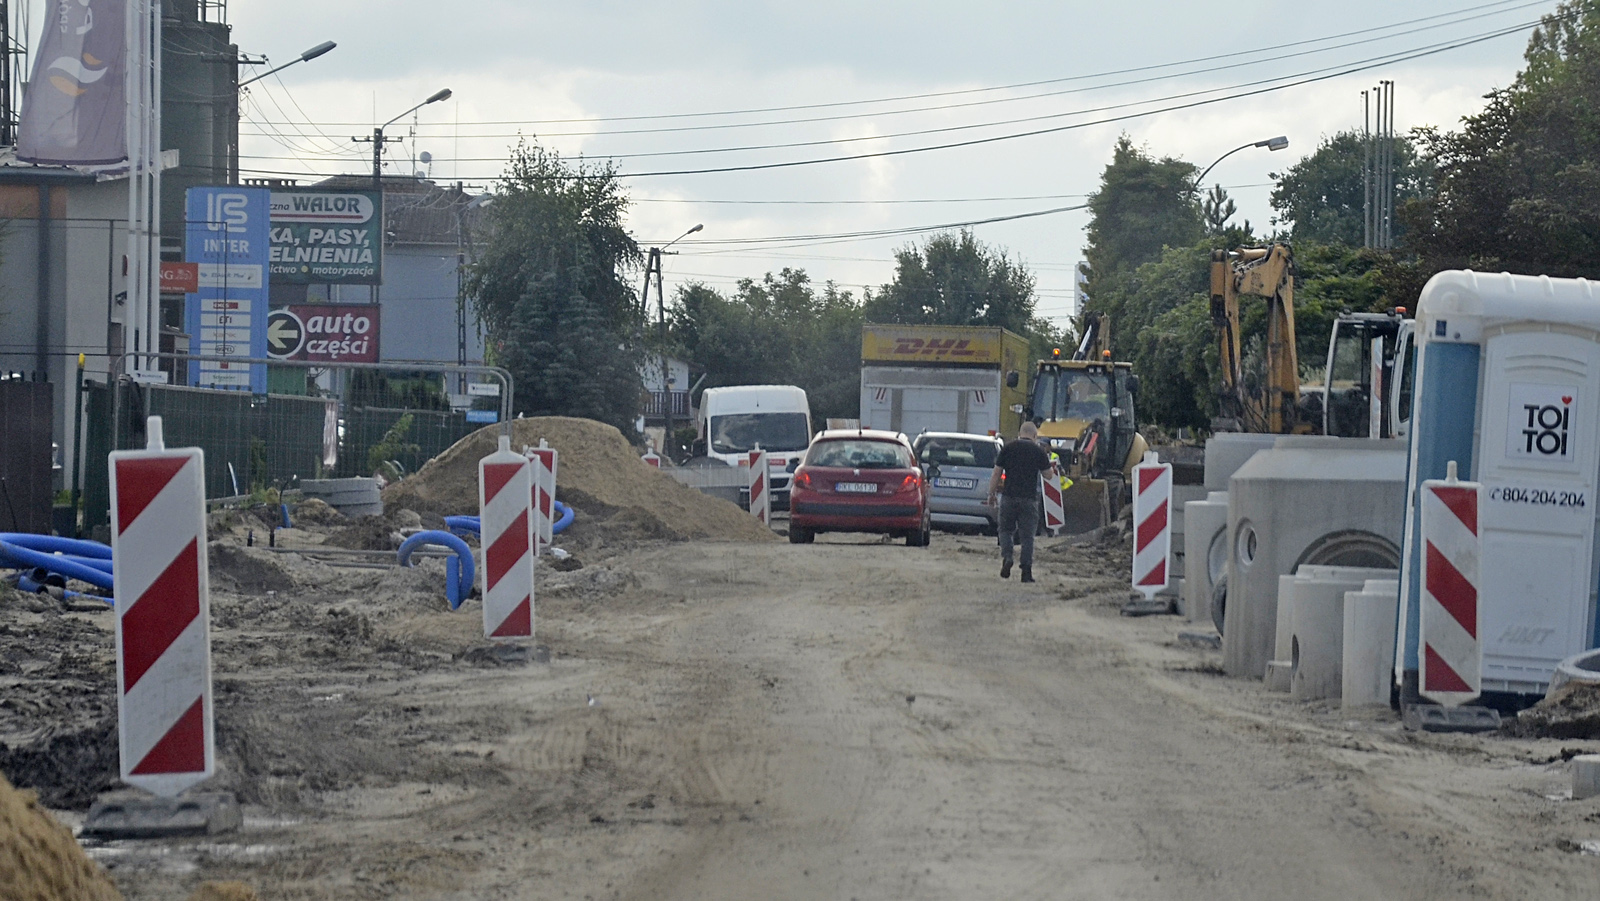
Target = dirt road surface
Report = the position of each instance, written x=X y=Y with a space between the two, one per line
x=849 y=719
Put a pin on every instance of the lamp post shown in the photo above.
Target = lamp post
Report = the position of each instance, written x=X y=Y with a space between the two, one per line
x=1273 y=144
x=305 y=57
x=653 y=266
x=377 y=140
x=463 y=246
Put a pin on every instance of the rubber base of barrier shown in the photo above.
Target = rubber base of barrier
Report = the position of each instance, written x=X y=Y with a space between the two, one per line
x=198 y=813
x=1434 y=718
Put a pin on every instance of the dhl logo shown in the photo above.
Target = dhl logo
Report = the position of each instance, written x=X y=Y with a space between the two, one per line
x=936 y=348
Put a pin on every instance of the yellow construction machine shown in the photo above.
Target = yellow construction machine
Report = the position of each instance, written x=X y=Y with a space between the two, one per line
x=1084 y=409
x=1268 y=401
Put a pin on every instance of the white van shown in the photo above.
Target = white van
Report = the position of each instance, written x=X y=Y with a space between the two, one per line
x=733 y=420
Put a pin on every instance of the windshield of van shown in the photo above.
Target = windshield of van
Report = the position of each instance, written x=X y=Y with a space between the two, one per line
x=740 y=432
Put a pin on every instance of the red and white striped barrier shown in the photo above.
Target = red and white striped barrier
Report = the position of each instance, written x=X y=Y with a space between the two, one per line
x=760 y=487
x=546 y=462
x=1452 y=654
x=1152 y=525
x=652 y=459
x=162 y=588
x=1055 y=510
x=505 y=516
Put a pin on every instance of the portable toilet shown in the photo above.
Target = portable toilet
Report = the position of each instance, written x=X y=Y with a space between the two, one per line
x=1508 y=386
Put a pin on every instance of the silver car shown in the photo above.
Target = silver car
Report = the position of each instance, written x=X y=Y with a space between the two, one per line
x=961 y=489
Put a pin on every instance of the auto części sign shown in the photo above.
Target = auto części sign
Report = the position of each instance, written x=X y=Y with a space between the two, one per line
x=326 y=237
x=324 y=333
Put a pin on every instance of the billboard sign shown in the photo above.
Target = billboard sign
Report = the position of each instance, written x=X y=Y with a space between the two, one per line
x=180 y=278
x=326 y=237
x=324 y=333
x=227 y=237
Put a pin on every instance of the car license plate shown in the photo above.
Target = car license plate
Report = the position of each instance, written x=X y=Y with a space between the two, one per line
x=963 y=484
x=856 y=487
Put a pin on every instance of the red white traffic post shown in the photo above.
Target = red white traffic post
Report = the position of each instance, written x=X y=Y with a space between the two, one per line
x=1452 y=654
x=505 y=517
x=1152 y=532
x=546 y=462
x=1055 y=511
x=651 y=458
x=163 y=600
x=760 y=487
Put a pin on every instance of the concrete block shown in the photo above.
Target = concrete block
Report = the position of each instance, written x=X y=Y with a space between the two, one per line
x=1317 y=636
x=1369 y=628
x=1283 y=636
x=1205 y=552
x=197 y=813
x=1307 y=500
x=1585 y=776
x=1278 y=675
x=1227 y=451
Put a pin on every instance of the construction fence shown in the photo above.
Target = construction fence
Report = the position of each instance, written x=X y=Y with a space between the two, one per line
x=337 y=428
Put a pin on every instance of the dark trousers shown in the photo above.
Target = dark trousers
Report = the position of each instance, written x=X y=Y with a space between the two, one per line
x=1019 y=517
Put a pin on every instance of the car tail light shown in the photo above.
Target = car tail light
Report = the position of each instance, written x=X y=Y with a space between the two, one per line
x=910 y=483
x=802 y=479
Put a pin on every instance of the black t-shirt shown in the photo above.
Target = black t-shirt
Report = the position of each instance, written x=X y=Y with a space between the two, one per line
x=1022 y=461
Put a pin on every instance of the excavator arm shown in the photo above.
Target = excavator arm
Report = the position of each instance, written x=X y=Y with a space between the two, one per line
x=1266 y=272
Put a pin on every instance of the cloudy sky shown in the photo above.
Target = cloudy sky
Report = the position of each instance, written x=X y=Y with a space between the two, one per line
x=691 y=85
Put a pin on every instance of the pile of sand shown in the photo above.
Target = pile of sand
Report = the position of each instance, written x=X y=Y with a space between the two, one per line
x=1571 y=711
x=600 y=475
x=38 y=857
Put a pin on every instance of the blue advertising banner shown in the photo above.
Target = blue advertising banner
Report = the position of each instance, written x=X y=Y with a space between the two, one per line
x=229 y=236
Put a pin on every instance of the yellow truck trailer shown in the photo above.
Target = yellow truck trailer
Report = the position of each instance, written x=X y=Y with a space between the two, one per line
x=943 y=378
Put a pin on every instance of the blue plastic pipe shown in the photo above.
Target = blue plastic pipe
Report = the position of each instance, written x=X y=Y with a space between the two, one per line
x=564 y=517
x=15 y=556
x=468 y=524
x=459 y=573
x=50 y=544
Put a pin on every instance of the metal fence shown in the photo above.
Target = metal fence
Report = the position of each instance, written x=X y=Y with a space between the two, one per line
x=254 y=442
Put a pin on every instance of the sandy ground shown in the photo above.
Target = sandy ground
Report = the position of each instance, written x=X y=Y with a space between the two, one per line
x=848 y=719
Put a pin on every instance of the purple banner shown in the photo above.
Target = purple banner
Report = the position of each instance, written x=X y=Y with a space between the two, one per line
x=73 y=112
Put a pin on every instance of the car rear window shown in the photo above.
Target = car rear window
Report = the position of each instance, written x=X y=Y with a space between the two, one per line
x=957 y=452
x=860 y=454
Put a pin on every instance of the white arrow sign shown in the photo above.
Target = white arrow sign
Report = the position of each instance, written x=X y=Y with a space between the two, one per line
x=285 y=334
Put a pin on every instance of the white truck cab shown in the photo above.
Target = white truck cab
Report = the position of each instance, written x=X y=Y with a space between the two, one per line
x=734 y=420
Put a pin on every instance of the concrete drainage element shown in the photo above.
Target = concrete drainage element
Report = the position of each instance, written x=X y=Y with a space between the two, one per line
x=1585 y=776
x=1205 y=543
x=1369 y=622
x=1310 y=628
x=352 y=497
x=1583 y=667
x=1305 y=500
x=1226 y=452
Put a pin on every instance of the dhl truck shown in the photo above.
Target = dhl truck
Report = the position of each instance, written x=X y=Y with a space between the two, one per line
x=940 y=378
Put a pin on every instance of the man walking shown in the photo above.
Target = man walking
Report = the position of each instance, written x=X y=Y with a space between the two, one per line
x=1020 y=462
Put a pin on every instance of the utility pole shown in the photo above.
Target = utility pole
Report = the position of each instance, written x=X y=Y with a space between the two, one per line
x=653 y=267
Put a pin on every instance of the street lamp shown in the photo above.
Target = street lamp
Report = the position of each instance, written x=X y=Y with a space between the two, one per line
x=305 y=57
x=1273 y=144
x=653 y=266
x=377 y=138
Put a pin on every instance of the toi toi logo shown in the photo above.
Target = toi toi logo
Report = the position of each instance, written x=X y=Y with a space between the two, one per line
x=1545 y=431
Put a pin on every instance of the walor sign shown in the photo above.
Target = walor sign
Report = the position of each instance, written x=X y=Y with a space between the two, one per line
x=324 y=333
x=326 y=237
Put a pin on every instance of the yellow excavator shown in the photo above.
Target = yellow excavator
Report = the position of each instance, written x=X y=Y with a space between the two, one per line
x=1268 y=402
x=1083 y=406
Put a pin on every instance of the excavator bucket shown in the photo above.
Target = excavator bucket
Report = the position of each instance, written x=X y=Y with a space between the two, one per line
x=1086 y=505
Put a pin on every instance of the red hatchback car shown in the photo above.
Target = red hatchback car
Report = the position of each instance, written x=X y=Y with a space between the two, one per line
x=860 y=480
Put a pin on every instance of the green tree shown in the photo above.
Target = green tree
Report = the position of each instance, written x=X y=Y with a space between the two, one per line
x=1519 y=184
x=1322 y=197
x=549 y=288
x=952 y=279
x=1144 y=205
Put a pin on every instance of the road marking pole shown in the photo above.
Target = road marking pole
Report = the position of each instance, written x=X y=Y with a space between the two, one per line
x=652 y=458
x=1452 y=653
x=1055 y=511
x=760 y=480
x=1152 y=518
x=546 y=462
x=505 y=517
x=163 y=599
